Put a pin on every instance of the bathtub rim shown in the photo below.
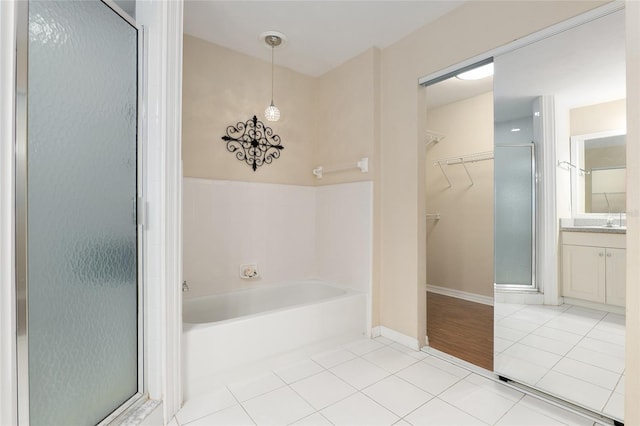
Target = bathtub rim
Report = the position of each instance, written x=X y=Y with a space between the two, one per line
x=347 y=292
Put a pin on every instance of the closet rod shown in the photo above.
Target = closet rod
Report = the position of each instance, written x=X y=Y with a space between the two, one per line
x=463 y=159
x=468 y=158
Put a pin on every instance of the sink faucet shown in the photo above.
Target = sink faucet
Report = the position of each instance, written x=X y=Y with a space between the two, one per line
x=609 y=217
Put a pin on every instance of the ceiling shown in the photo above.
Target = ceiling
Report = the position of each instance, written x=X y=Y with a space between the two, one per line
x=454 y=89
x=321 y=35
x=579 y=67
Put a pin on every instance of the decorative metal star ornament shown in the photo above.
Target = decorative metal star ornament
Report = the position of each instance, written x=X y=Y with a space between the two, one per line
x=253 y=142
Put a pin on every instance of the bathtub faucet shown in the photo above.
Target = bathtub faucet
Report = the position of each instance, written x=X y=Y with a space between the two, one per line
x=185 y=286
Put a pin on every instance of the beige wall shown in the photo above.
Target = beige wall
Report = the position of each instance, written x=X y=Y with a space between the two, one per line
x=346 y=117
x=598 y=118
x=451 y=39
x=632 y=344
x=222 y=87
x=327 y=121
x=460 y=244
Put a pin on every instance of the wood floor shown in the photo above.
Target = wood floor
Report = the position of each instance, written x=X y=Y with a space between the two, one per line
x=461 y=328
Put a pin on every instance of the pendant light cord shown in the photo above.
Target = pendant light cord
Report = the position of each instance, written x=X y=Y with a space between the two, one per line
x=271 y=75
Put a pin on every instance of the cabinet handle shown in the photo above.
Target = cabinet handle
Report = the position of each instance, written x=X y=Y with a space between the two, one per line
x=608 y=254
x=600 y=254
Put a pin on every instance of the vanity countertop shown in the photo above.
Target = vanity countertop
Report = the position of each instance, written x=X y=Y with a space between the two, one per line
x=595 y=228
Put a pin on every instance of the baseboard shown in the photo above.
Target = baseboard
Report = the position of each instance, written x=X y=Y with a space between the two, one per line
x=519 y=297
x=396 y=336
x=471 y=297
x=594 y=305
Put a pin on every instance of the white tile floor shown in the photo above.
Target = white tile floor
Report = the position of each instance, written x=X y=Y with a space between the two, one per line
x=569 y=351
x=371 y=382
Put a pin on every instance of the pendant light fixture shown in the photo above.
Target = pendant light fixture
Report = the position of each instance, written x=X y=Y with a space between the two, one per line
x=273 y=40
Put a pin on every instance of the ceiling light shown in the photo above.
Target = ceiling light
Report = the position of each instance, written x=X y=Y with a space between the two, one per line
x=477 y=73
x=272 y=113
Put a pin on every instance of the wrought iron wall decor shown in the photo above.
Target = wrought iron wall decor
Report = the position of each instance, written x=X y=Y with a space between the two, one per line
x=253 y=142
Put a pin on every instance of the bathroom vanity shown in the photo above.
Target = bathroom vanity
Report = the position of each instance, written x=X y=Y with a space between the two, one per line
x=594 y=264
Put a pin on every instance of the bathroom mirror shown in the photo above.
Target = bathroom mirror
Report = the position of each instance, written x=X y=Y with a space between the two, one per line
x=545 y=93
x=598 y=180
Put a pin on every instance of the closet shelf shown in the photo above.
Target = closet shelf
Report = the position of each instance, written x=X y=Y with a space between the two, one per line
x=462 y=159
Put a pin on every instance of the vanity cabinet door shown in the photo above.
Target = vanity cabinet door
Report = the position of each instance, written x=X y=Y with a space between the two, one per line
x=616 y=276
x=584 y=272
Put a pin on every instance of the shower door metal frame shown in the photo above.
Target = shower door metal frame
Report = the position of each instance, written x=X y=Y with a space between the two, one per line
x=21 y=210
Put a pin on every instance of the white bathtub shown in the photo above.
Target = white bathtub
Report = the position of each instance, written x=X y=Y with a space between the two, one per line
x=227 y=331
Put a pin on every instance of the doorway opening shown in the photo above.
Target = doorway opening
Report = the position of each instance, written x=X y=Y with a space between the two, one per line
x=460 y=185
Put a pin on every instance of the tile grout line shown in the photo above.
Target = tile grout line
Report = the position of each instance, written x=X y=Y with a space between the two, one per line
x=242 y=406
x=390 y=374
x=512 y=407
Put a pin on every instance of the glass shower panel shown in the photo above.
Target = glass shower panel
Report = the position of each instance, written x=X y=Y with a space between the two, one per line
x=82 y=234
x=514 y=209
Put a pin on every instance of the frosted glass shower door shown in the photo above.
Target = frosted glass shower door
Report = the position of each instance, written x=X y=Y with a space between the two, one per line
x=81 y=192
x=514 y=215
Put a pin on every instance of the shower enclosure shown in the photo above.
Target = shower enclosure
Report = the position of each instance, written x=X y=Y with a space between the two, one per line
x=517 y=144
x=78 y=270
x=514 y=228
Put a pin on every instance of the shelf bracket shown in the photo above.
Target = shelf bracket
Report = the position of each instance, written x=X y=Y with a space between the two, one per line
x=466 y=170
x=444 y=173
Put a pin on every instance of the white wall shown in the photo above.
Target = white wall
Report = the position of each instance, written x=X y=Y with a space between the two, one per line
x=162 y=94
x=228 y=223
x=563 y=153
x=8 y=383
x=292 y=232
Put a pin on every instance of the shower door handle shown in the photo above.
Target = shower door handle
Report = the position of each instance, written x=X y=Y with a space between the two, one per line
x=140 y=211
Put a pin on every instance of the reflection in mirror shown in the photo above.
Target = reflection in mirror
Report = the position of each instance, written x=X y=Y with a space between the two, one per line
x=599 y=177
x=564 y=335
